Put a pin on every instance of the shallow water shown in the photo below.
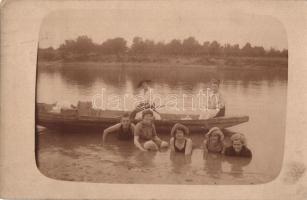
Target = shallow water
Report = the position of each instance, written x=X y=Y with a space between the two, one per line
x=80 y=156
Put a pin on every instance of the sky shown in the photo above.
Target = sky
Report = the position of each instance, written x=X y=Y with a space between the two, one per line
x=207 y=24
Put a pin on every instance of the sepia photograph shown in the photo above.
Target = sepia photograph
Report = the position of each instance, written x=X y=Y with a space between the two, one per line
x=161 y=98
x=153 y=100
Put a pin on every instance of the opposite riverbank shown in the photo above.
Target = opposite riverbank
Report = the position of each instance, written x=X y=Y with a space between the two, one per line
x=263 y=63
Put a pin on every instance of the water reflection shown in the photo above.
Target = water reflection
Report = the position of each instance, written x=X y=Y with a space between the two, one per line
x=145 y=159
x=259 y=94
x=188 y=77
x=125 y=149
x=180 y=162
x=118 y=148
x=236 y=165
x=213 y=164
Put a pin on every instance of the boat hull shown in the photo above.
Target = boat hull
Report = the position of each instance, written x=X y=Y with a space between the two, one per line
x=56 y=121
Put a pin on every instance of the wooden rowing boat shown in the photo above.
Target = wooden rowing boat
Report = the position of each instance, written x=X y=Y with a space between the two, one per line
x=95 y=119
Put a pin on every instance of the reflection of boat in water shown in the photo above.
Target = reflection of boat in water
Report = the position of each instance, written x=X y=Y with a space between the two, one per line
x=83 y=116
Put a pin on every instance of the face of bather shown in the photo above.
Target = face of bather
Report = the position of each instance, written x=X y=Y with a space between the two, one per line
x=125 y=121
x=145 y=86
x=147 y=119
x=179 y=134
x=237 y=145
x=214 y=138
x=214 y=87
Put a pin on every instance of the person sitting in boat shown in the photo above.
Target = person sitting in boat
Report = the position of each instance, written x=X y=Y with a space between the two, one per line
x=214 y=141
x=124 y=129
x=58 y=106
x=215 y=104
x=238 y=147
x=145 y=102
x=145 y=131
x=179 y=142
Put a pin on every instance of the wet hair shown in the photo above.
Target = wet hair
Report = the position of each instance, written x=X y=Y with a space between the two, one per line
x=180 y=127
x=238 y=137
x=215 y=81
x=213 y=134
x=126 y=114
x=147 y=112
x=142 y=82
x=214 y=130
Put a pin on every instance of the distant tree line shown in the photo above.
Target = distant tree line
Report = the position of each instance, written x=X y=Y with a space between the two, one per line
x=83 y=48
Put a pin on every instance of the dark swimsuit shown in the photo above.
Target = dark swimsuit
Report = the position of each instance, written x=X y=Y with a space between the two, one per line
x=221 y=112
x=124 y=134
x=214 y=149
x=180 y=150
x=245 y=152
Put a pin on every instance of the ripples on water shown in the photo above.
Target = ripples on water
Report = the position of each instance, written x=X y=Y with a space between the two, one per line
x=80 y=157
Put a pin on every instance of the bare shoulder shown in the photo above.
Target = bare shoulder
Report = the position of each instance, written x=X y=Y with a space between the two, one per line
x=117 y=125
x=189 y=141
x=137 y=129
x=138 y=125
x=132 y=126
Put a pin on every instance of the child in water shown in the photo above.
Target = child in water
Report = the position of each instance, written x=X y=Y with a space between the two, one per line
x=179 y=141
x=238 y=147
x=214 y=141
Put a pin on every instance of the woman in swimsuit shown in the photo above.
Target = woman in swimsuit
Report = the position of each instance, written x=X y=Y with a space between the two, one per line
x=238 y=147
x=179 y=142
x=214 y=141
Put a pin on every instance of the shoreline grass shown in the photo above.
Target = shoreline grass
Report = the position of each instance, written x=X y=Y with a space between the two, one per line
x=208 y=62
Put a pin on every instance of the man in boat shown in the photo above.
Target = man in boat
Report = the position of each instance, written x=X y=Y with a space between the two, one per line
x=145 y=132
x=215 y=102
x=124 y=129
x=145 y=101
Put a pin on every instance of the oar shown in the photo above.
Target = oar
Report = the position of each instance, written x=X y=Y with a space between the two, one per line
x=154 y=109
x=161 y=106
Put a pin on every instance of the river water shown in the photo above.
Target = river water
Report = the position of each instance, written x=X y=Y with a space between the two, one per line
x=260 y=94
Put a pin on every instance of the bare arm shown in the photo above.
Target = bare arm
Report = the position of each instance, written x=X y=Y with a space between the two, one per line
x=172 y=144
x=132 y=128
x=188 y=148
x=174 y=128
x=204 y=145
x=224 y=147
x=136 y=140
x=137 y=143
x=221 y=102
x=154 y=133
x=111 y=129
x=205 y=154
